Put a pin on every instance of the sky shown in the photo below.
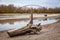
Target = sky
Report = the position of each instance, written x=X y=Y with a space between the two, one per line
x=44 y=3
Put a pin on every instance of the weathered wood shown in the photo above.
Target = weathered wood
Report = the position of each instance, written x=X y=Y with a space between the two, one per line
x=27 y=29
x=31 y=19
x=17 y=31
x=24 y=30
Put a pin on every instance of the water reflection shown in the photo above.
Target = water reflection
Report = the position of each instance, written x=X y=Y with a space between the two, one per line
x=19 y=24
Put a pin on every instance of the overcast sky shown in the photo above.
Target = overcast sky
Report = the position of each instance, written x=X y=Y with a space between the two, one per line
x=45 y=3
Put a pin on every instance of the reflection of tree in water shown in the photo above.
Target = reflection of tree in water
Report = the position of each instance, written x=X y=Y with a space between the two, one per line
x=11 y=22
x=4 y=22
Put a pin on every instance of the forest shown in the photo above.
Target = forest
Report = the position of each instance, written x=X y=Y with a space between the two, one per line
x=13 y=9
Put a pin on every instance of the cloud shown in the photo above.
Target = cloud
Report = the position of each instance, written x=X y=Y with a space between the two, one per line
x=51 y=3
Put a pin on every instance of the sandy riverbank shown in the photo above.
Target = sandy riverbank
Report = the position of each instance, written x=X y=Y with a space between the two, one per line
x=49 y=32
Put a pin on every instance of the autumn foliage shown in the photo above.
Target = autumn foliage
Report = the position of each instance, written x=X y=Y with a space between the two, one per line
x=12 y=9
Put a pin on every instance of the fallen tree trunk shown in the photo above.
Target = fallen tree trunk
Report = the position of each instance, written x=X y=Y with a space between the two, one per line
x=24 y=30
x=17 y=31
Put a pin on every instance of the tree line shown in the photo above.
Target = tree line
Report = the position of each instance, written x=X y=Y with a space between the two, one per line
x=12 y=9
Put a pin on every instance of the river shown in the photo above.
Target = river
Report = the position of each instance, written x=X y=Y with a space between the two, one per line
x=22 y=23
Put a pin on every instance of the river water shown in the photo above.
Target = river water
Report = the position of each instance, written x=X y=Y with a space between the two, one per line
x=20 y=24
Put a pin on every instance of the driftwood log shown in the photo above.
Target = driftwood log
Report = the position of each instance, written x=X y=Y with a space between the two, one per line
x=30 y=28
x=24 y=30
